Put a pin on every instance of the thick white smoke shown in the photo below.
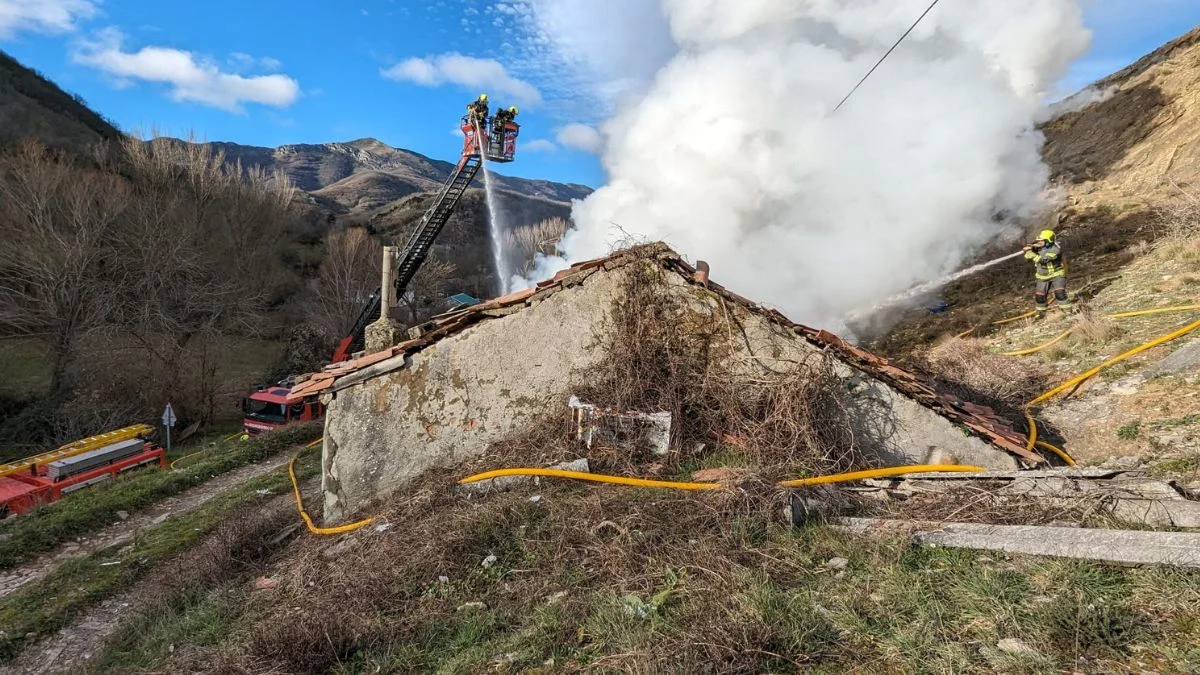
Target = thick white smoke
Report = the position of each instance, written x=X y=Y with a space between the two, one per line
x=733 y=154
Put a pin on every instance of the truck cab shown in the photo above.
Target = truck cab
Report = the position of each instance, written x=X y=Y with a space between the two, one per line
x=273 y=407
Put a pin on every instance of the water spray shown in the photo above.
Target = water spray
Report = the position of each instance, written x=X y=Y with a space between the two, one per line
x=494 y=227
x=915 y=291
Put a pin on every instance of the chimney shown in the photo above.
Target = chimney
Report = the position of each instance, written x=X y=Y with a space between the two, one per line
x=701 y=275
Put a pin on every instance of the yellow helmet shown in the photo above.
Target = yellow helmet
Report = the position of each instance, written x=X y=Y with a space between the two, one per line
x=1046 y=235
x=513 y=110
x=483 y=97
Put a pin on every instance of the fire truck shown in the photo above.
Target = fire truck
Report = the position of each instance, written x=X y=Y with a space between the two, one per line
x=487 y=140
x=28 y=483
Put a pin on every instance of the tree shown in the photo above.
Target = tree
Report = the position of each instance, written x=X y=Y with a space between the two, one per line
x=348 y=275
x=423 y=296
x=57 y=250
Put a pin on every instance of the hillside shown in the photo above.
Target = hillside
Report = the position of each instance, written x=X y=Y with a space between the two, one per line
x=359 y=177
x=1139 y=146
x=1129 y=163
x=33 y=107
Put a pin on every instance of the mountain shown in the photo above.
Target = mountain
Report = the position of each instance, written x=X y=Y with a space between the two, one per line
x=32 y=107
x=358 y=178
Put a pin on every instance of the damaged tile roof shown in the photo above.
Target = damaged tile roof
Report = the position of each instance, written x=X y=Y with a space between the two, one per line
x=981 y=421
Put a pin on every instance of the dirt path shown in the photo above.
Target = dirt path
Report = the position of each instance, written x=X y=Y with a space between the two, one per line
x=71 y=649
x=124 y=531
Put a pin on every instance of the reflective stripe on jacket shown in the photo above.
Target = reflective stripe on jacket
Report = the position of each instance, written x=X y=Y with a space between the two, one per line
x=1047 y=261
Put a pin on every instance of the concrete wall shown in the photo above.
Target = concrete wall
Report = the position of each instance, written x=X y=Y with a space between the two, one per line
x=459 y=396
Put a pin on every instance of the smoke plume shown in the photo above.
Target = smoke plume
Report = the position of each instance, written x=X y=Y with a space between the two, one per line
x=733 y=154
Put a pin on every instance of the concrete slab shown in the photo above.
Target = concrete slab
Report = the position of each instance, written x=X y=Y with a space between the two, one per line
x=1126 y=547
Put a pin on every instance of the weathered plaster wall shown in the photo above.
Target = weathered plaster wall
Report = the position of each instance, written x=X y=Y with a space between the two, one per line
x=460 y=395
x=467 y=391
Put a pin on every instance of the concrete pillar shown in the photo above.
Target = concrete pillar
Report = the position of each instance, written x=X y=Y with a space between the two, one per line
x=388 y=289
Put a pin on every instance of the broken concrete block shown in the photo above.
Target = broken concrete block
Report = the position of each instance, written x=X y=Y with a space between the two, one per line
x=381 y=335
x=614 y=428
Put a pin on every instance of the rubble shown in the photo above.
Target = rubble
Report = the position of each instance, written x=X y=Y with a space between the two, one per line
x=620 y=429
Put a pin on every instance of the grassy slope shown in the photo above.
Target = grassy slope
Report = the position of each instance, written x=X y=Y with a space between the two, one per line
x=78 y=584
x=644 y=581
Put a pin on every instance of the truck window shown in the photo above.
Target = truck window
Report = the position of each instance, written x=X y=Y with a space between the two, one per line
x=264 y=410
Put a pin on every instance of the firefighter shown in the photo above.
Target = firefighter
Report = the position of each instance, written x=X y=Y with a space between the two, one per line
x=504 y=116
x=477 y=110
x=1050 y=274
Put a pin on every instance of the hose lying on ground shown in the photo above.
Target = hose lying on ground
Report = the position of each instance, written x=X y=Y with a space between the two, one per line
x=308 y=521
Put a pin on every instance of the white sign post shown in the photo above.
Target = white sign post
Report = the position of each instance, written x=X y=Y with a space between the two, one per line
x=168 y=420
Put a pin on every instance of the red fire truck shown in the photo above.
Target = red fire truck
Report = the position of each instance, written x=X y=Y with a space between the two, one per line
x=41 y=479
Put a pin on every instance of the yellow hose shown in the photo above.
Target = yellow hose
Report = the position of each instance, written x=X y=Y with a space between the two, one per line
x=198 y=452
x=1157 y=310
x=1062 y=454
x=1040 y=347
x=308 y=521
x=594 y=477
x=1079 y=379
x=314 y=443
x=1011 y=319
x=877 y=473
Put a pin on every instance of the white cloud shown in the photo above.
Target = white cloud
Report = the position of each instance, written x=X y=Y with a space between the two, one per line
x=43 y=16
x=539 y=145
x=190 y=78
x=242 y=62
x=580 y=137
x=464 y=71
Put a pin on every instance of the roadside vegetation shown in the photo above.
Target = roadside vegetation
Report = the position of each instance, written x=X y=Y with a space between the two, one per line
x=78 y=584
x=24 y=537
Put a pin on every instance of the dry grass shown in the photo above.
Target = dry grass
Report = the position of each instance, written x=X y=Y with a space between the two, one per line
x=1093 y=329
x=982 y=377
x=648 y=581
x=1182 y=239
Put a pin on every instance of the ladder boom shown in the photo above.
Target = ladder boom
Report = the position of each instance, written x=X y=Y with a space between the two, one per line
x=421 y=241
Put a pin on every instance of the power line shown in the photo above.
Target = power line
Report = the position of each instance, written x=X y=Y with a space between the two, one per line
x=888 y=53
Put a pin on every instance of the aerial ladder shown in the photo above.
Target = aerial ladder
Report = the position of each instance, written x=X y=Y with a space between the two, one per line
x=487 y=140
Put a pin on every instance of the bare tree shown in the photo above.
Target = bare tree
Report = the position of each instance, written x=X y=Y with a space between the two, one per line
x=525 y=242
x=206 y=238
x=348 y=275
x=56 y=250
x=423 y=296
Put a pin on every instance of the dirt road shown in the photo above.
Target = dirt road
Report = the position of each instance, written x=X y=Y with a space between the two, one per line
x=124 y=531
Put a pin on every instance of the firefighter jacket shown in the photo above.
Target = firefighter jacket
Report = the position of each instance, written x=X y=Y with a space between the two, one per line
x=1047 y=261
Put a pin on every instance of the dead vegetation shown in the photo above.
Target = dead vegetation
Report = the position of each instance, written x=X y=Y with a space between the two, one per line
x=628 y=580
x=665 y=356
x=982 y=377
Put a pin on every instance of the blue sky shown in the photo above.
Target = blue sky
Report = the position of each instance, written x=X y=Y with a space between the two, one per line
x=268 y=72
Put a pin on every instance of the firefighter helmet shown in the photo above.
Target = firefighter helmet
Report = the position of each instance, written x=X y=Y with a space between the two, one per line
x=483 y=98
x=1046 y=235
x=514 y=110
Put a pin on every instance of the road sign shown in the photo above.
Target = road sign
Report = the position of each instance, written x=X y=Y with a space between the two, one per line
x=168 y=418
